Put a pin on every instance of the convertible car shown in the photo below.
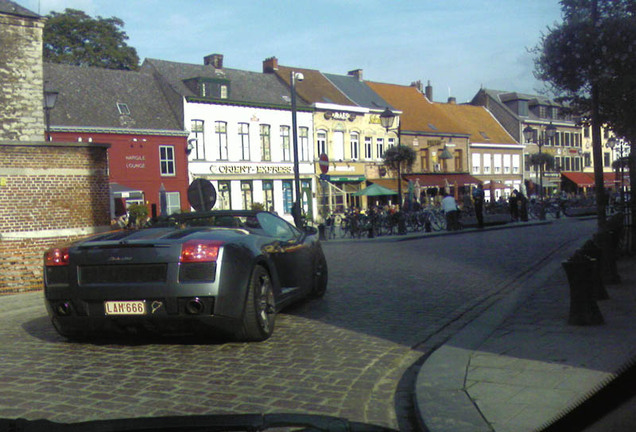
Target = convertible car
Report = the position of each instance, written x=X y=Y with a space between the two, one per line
x=215 y=272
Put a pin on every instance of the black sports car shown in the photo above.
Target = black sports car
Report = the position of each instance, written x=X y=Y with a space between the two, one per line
x=216 y=271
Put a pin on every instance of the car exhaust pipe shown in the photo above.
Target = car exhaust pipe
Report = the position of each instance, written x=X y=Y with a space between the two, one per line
x=63 y=309
x=195 y=306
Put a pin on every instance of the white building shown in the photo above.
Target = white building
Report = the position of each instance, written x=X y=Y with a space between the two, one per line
x=241 y=136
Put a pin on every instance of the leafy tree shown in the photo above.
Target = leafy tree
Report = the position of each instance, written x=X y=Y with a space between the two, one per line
x=400 y=155
x=545 y=160
x=74 y=38
x=589 y=62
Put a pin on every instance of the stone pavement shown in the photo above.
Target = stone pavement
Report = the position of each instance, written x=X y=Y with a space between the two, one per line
x=520 y=364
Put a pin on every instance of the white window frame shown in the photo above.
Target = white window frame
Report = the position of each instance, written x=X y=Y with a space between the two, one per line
x=167 y=162
x=244 y=137
x=487 y=162
x=368 y=148
x=284 y=142
x=321 y=142
x=220 y=129
x=379 y=145
x=354 y=140
x=476 y=163
x=303 y=137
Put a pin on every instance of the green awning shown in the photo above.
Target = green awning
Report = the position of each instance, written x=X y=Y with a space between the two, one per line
x=341 y=179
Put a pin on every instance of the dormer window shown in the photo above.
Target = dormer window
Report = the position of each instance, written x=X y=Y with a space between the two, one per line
x=484 y=135
x=223 y=91
x=123 y=109
x=209 y=88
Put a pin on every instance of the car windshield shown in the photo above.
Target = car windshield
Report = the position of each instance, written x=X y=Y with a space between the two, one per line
x=317 y=215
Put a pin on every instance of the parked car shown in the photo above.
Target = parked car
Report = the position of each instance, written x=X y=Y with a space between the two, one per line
x=210 y=272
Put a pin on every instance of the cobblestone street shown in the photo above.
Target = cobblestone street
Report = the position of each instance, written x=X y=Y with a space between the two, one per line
x=388 y=303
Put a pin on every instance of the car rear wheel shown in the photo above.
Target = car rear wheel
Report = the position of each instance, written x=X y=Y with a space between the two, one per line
x=260 y=308
x=320 y=276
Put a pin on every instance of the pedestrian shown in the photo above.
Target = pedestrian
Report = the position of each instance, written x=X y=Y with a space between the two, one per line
x=513 y=202
x=522 y=203
x=478 y=198
x=449 y=206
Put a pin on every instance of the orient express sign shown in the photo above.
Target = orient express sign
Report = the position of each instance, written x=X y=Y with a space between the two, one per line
x=251 y=169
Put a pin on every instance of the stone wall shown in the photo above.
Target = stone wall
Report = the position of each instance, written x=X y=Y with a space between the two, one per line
x=50 y=193
x=21 y=86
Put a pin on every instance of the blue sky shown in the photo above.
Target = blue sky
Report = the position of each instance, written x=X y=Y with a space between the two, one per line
x=457 y=45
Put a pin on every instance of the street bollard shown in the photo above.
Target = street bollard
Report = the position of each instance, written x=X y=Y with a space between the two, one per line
x=583 y=308
x=591 y=250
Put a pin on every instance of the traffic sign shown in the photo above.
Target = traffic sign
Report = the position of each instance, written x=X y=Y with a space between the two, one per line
x=324 y=163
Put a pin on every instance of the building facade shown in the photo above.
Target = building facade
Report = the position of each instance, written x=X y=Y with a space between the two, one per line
x=240 y=133
x=127 y=111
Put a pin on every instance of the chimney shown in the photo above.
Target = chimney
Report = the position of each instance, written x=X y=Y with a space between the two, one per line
x=452 y=100
x=429 y=92
x=357 y=73
x=418 y=85
x=270 y=65
x=215 y=60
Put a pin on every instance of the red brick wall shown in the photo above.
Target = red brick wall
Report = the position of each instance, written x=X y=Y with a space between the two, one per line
x=50 y=193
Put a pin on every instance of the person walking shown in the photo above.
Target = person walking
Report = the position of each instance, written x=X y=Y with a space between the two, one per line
x=449 y=206
x=513 y=202
x=478 y=199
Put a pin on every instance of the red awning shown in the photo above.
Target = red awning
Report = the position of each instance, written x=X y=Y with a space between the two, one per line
x=587 y=179
x=440 y=180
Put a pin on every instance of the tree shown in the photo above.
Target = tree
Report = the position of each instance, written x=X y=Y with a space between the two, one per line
x=400 y=155
x=589 y=61
x=74 y=38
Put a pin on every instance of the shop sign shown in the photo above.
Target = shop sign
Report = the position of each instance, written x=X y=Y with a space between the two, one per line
x=135 y=161
x=251 y=169
x=340 y=115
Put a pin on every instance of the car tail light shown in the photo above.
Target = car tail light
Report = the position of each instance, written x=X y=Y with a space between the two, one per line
x=56 y=257
x=194 y=251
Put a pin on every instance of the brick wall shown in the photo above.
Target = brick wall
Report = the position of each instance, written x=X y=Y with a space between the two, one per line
x=50 y=193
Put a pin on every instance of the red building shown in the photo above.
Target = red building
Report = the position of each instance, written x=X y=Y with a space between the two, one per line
x=128 y=111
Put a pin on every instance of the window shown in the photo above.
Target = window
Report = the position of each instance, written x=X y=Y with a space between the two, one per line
x=277 y=227
x=506 y=164
x=287 y=197
x=223 y=92
x=368 y=148
x=246 y=194
x=523 y=108
x=587 y=159
x=123 y=109
x=284 y=138
x=424 y=160
x=244 y=138
x=487 y=163
x=459 y=165
x=497 y=163
x=166 y=160
x=173 y=200
x=304 y=143
x=379 y=142
x=338 y=145
x=390 y=142
x=221 y=135
x=476 y=163
x=199 y=142
x=516 y=164
x=268 y=195
x=543 y=111
x=321 y=142
x=266 y=149
x=606 y=160
x=586 y=132
x=225 y=196
x=354 y=140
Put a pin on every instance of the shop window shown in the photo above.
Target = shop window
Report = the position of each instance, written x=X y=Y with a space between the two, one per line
x=268 y=195
x=246 y=194
x=288 y=199
x=225 y=195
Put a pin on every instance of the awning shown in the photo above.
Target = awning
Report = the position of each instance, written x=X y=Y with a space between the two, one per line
x=582 y=179
x=390 y=183
x=121 y=191
x=441 y=180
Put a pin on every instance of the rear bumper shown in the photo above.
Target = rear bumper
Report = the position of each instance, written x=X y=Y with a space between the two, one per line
x=177 y=316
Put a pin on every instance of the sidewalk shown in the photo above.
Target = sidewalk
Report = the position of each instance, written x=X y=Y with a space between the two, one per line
x=520 y=364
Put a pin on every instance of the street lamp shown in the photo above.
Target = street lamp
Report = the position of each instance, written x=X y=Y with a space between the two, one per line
x=528 y=135
x=296 y=207
x=50 y=97
x=611 y=143
x=386 y=120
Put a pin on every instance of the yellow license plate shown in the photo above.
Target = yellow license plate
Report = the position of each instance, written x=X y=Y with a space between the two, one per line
x=125 y=307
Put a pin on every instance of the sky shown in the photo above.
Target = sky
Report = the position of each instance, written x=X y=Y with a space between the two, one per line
x=459 y=46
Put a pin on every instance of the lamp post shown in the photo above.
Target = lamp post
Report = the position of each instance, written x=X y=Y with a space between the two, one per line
x=50 y=97
x=611 y=143
x=528 y=135
x=296 y=207
x=386 y=120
